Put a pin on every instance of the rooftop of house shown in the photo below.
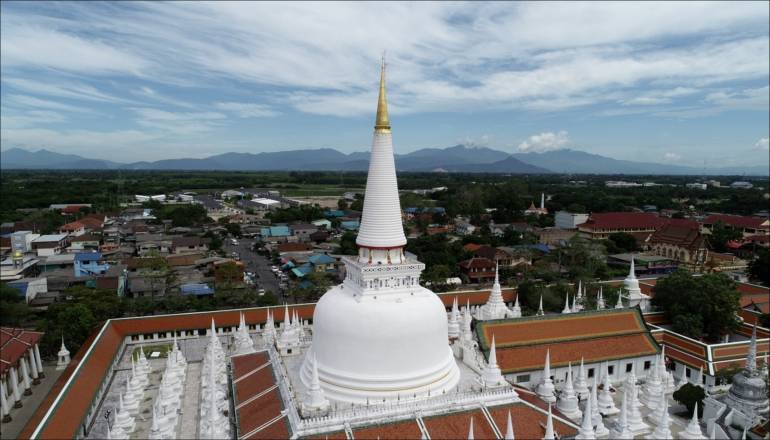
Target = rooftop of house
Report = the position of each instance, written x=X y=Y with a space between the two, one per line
x=629 y=220
x=50 y=238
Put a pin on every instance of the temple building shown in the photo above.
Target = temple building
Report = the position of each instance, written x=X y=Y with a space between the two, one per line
x=20 y=368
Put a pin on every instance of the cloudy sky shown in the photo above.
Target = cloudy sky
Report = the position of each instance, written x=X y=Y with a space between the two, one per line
x=667 y=82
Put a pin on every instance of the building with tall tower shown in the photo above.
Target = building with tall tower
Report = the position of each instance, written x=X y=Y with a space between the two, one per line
x=380 y=335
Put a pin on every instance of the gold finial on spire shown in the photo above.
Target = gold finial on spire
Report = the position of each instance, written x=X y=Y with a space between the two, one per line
x=382 y=123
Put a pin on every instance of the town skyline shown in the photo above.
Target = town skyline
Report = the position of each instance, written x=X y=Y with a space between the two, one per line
x=131 y=82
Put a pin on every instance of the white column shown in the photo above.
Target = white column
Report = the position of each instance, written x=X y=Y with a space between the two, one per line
x=39 y=361
x=32 y=363
x=25 y=376
x=4 y=406
x=15 y=387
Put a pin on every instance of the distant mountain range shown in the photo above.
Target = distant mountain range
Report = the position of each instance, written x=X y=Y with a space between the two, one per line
x=459 y=158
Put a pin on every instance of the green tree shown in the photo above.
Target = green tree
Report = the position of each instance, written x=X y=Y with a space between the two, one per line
x=73 y=320
x=348 y=243
x=721 y=234
x=342 y=204
x=704 y=306
x=233 y=229
x=759 y=267
x=625 y=242
x=688 y=395
x=15 y=311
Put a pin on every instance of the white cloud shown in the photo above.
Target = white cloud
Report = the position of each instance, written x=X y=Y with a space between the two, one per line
x=37 y=103
x=178 y=123
x=762 y=144
x=61 y=89
x=247 y=110
x=545 y=141
x=29 y=45
x=672 y=157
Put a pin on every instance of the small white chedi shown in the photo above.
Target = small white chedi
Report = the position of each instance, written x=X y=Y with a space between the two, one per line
x=379 y=334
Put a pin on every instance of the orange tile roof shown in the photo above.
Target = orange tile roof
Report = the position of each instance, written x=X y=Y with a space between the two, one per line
x=529 y=358
x=553 y=328
x=14 y=342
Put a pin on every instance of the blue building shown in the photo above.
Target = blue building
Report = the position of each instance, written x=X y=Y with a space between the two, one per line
x=275 y=231
x=89 y=264
x=197 y=289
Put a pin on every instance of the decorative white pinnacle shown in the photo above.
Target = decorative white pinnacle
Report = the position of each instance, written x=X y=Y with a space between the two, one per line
x=516 y=312
x=586 y=430
x=621 y=431
x=495 y=306
x=596 y=416
x=63 y=356
x=751 y=357
x=470 y=430
x=549 y=426
x=600 y=300
x=315 y=402
x=491 y=375
x=545 y=389
x=619 y=304
x=693 y=432
x=662 y=429
x=566 y=309
x=568 y=400
x=509 y=428
x=540 y=311
x=581 y=383
x=606 y=404
x=453 y=326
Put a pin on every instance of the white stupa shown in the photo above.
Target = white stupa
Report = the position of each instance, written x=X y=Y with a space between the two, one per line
x=495 y=307
x=581 y=383
x=63 y=356
x=545 y=389
x=516 y=310
x=379 y=334
x=631 y=285
x=693 y=431
x=592 y=405
x=621 y=431
x=568 y=402
x=453 y=326
x=491 y=376
x=586 y=431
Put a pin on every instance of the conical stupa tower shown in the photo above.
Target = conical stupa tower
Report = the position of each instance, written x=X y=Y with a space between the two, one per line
x=380 y=334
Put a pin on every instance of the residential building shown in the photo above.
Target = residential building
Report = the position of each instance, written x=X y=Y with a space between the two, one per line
x=701 y=186
x=85 y=242
x=350 y=225
x=184 y=245
x=464 y=228
x=22 y=241
x=152 y=243
x=303 y=230
x=322 y=223
x=52 y=244
x=478 y=269
x=569 y=220
x=30 y=288
x=89 y=264
x=74 y=229
x=18 y=266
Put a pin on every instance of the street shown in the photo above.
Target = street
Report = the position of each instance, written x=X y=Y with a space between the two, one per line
x=253 y=262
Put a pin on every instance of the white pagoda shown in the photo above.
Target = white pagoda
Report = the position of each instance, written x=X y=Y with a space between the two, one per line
x=380 y=334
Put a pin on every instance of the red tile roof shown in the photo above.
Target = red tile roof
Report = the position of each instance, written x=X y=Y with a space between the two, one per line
x=528 y=423
x=258 y=407
x=407 y=429
x=737 y=221
x=623 y=220
x=72 y=226
x=477 y=263
x=14 y=343
x=456 y=425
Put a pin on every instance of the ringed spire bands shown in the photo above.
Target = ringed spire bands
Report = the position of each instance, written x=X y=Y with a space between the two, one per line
x=381 y=226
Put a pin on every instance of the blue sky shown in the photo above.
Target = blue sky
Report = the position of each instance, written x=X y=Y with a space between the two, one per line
x=682 y=83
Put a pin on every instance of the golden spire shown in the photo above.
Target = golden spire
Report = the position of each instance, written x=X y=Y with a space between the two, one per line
x=382 y=123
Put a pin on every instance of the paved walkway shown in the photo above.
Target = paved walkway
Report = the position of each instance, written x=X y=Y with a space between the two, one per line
x=190 y=403
x=20 y=416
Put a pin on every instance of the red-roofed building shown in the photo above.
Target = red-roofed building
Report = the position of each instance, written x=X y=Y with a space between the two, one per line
x=478 y=269
x=20 y=363
x=747 y=225
x=602 y=224
x=681 y=242
x=617 y=337
x=74 y=229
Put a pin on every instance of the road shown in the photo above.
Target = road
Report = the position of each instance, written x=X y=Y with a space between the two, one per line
x=256 y=263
